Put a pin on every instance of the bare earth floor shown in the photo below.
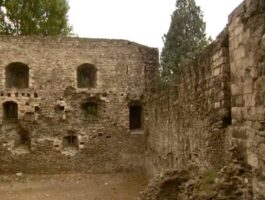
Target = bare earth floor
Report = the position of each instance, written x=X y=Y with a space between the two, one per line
x=120 y=186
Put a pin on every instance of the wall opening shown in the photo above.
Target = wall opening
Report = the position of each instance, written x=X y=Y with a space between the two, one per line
x=135 y=117
x=17 y=75
x=86 y=76
x=90 y=108
x=23 y=141
x=10 y=110
x=70 y=141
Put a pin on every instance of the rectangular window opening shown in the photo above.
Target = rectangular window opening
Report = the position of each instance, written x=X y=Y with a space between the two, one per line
x=135 y=116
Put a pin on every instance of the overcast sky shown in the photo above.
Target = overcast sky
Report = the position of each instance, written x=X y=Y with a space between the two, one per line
x=141 y=21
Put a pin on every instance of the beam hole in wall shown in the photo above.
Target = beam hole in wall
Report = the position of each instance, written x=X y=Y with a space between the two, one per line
x=135 y=116
x=37 y=109
x=59 y=108
x=10 y=111
x=17 y=75
x=86 y=76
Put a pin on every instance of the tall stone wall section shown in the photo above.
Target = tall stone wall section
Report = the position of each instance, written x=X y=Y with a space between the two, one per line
x=217 y=104
x=187 y=120
x=247 y=62
x=50 y=109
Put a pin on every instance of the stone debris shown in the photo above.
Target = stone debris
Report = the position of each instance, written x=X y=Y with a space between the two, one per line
x=232 y=182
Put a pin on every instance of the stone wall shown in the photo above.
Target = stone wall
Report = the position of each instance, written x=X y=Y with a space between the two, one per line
x=187 y=120
x=61 y=127
x=247 y=61
x=217 y=103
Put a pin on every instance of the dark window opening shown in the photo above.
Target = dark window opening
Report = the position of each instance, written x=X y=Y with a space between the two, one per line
x=86 y=76
x=135 y=117
x=10 y=110
x=17 y=75
x=90 y=108
x=70 y=141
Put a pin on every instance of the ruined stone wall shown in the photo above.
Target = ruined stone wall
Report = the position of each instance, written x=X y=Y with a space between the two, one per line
x=217 y=104
x=187 y=120
x=55 y=129
x=247 y=61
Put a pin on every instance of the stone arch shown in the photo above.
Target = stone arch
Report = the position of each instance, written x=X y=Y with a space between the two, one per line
x=86 y=76
x=10 y=110
x=17 y=75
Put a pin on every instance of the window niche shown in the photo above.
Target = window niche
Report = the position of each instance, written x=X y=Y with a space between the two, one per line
x=17 y=75
x=86 y=76
x=135 y=116
x=10 y=111
x=70 y=141
x=90 y=108
x=23 y=141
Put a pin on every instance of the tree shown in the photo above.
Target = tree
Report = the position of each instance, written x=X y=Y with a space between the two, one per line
x=185 y=38
x=34 y=17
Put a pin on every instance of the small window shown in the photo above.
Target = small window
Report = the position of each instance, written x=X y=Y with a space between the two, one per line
x=86 y=76
x=70 y=141
x=90 y=108
x=10 y=110
x=17 y=75
x=135 y=117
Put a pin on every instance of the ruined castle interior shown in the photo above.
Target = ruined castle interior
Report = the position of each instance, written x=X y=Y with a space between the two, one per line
x=92 y=105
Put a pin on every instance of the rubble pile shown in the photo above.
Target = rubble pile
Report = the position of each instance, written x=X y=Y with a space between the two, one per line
x=232 y=182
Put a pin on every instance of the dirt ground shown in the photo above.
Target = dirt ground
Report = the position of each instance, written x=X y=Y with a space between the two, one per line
x=120 y=186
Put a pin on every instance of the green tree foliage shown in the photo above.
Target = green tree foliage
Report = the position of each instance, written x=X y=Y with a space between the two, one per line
x=185 y=38
x=34 y=17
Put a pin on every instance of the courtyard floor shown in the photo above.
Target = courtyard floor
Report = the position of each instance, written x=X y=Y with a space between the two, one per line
x=119 y=186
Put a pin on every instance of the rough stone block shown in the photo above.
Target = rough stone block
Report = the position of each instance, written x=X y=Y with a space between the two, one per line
x=236 y=113
x=252 y=159
x=249 y=100
x=237 y=89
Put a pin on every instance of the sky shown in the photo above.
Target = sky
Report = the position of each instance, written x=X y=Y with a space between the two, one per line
x=141 y=21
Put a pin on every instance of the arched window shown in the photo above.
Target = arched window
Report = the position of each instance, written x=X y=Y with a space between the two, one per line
x=86 y=76
x=17 y=75
x=10 y=110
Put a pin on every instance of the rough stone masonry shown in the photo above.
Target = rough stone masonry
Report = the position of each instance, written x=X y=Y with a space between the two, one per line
x=71 y=104
x=217 y=104
x=90 y=105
